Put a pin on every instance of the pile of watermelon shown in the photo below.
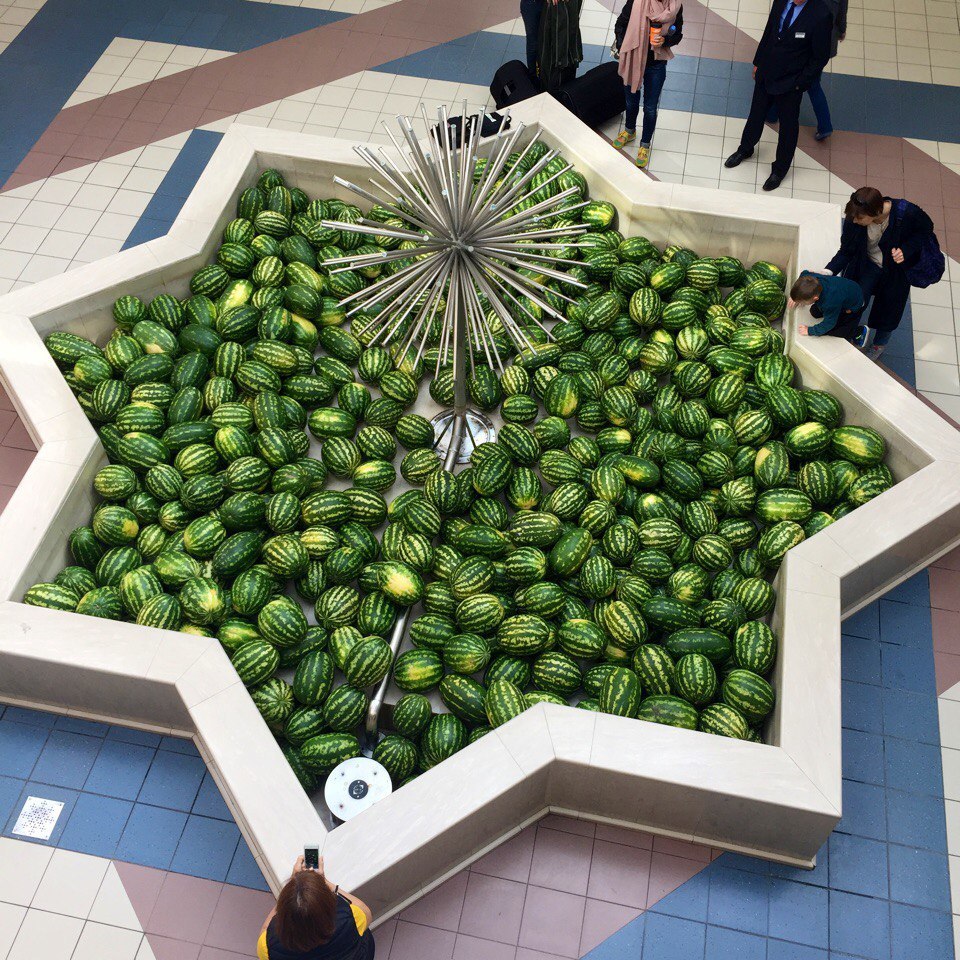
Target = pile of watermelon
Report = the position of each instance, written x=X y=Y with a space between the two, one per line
x=613 y=550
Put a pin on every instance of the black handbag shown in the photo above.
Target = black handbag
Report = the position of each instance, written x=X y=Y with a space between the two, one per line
x=596 y=97
x=490 y=124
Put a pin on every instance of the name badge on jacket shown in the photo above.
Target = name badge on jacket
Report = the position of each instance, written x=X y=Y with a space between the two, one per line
x=800 y=36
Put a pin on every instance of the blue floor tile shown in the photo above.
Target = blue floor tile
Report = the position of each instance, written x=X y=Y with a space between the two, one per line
x=915 y=590
x=864 y=623
x=906 y=624
x=626 y=942
x=863 y=757
x=911 y=716
x=861 y=705
x=10 y=789
x=916 y=821
x=914 y=767
x=173 y=781
x=36 y=718
x=907 y=668
x=179 y=745
x=144 y=738
x=48 y=792
x=120 y=769
x=66 y=759
x=738 y=861
x=919 y=877
x=739 y=900
x=818 y=876
x=20 y=746
x=244 y=871
x=864 y=810
x=209 y=802
x=667 y=938
x=916 y=933
x=90 y=728
x=206 y=848
x=724 y=944
x=150 y=836
x=799 y=913
x=96 y=825
x=689 y=900
x=859 y=925
x=858 y=865
x=782 y=950
x=860 y=659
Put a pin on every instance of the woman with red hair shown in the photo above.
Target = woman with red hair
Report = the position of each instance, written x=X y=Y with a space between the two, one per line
x=316 y=920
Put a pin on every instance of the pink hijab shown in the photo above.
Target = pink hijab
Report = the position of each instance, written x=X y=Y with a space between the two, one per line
x=636 y=41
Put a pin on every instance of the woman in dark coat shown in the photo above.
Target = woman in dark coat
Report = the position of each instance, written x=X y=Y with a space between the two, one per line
x=881 y=239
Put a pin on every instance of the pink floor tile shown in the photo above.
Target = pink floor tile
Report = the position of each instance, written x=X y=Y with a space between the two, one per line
x=185 y=907
x=215 y=953
x=552 y=922
x=441 y=907
x=17 y=436
x=415 y=942
x=511 y=860
x=383 y=936
x=631 y=838
x=14 y=463
x=561 y=861
x=6 y=492
x=949 y=561
x=5 y=402
x=682 y=848
x=474 y=948
x=523 y=953
x=601 y=920
x=7 y=419
x=492 y=908
x=166 y=949
x=946 y=630
x=944 y=588
x=238 y=917
x=567 y=824
x=947 y=670
x=142 y=885
x=619 y=874
x=667 y=873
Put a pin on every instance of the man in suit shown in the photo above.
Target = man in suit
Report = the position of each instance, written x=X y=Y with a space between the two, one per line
x=792 y=52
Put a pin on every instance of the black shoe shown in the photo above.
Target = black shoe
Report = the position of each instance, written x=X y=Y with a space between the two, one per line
x=737 y=157
x=820 y=137
x=772 y=182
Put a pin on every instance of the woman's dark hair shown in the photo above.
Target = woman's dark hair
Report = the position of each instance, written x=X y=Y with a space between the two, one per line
x=865 y=202
x=306 y=912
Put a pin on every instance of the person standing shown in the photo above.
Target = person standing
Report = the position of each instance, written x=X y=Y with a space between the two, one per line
x=790 y=57
x=560 y=48
x=881 y=242
x=643 y=35
x=818 y=99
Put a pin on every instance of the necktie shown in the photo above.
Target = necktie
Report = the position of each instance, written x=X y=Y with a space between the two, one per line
x=788 y=16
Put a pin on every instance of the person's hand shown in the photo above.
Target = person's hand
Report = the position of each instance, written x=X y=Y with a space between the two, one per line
x=299 y=866
x=320 y=866
x=791 y=303
x=897 y=255
x=802 y=330
x=615 y=52
x=657 y=41
x=754 y=73
x=842 y=37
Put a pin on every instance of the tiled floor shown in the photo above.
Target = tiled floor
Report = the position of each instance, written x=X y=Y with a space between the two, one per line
x=110 y=110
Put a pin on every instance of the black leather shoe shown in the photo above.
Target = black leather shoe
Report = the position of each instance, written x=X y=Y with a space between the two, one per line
x=772 y=182
x=737 y=157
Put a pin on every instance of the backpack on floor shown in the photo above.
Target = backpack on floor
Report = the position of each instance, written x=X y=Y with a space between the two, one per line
x=596 y=97
x=511 y=84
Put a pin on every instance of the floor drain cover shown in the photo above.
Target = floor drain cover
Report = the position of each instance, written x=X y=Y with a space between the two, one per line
x=355 y=785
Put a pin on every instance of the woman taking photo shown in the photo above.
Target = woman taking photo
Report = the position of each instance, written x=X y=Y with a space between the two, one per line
x=644 y=33
x=881 y=242
x=316 y=920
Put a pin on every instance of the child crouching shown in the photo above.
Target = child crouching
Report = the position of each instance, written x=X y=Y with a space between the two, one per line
x=835 y=301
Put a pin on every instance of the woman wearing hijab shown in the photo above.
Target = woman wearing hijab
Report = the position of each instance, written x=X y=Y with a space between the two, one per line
x=644 y=33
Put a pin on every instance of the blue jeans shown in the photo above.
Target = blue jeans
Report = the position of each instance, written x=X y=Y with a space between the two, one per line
x=650 y=90
x=818 y=100
x=530 y=12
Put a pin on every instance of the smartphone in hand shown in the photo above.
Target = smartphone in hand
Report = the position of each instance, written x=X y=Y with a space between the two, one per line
x=311 y=857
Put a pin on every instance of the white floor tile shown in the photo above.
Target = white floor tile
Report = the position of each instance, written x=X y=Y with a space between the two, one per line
x=938 y=377
x=949 y=723
x=42 y=268
x=11 y=917
x=21 y=868
x=146 y=951
x=93 y=196
x=930 y=319
x=946 y=402
x=955 y=883
x=938 y=347
x=59 y=243
x=42 y=214
x=70 y=883
x=99 y=941
x=47 y=935
x=112 y=903
x=952 y=811
x=115 y=226
x=951 y=774
x=24 y=238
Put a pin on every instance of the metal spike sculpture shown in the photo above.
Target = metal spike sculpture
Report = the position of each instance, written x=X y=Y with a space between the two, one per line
x=469 y=243
x=476 y=253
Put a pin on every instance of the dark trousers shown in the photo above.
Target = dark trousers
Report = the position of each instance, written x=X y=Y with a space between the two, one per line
x=788 y=109
x=818 y=100
x=649 y=92
x=530 y=12
x=846 y=327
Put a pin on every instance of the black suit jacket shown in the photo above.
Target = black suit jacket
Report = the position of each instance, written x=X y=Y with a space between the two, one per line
x=794 y=60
